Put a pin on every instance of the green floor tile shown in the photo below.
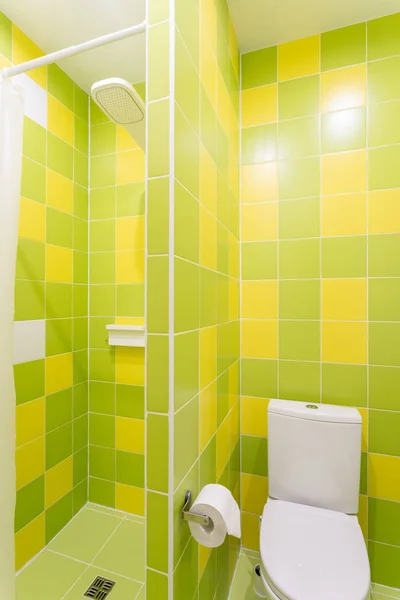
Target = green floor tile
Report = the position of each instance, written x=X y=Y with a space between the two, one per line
x=243 y=583
x=49 y=577
x=85 y=535
x=124 y=552
x=124 y=589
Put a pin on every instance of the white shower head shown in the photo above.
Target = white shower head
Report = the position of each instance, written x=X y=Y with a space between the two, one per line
x=119 y=100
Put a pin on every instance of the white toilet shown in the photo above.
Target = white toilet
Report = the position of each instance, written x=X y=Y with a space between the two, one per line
x=311 y=544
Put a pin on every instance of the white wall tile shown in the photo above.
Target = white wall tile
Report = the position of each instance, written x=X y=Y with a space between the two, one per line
x=35 y=99
x=29 y=341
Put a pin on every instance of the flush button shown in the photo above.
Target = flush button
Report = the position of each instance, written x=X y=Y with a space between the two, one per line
x=312 y=406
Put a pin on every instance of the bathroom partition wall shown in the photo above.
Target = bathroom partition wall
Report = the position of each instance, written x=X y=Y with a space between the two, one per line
x=320 y=217
x=192 y=287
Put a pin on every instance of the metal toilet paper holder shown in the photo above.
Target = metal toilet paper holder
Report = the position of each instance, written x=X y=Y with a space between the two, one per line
x=195 y=517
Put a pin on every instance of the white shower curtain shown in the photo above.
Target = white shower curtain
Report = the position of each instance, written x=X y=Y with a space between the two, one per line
x=11 y=127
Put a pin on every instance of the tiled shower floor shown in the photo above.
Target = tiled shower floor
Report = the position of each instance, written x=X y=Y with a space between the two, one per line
x=243 y=582
x=98 y=541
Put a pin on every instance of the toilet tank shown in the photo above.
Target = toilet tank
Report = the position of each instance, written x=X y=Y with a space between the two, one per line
x=314 y=454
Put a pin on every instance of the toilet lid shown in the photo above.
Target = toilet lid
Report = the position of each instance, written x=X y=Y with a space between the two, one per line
x=311 y=553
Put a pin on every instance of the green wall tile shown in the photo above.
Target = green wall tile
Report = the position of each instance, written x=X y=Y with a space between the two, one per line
x=156 y=585
x=344 y=385
x=102 y=267
x=384 y=344
x=58 y=409
x=130 y=468
x=102 y=462
x=158 y=138
x=33 y=182
x=299 y=137
x=81 y=103
x=80 y=201
x=299 y=178
x=343 y=47
x=299 y=97
x=80 y=334
x=383 y=39
x=157 y=452
x=103 y=203
x=29 y=503
x=208 y=125
x=186 y=573
x=29 y=381
x=103 y=139
x=158 y=61
x=158 y=216
x=130 y=199
x=29 y=300
x=57 y=516
x=383 y=299
x=344 y=257
x=383 y=80
x=186 y=82
x=59 y=228
x=102 y=236
x=80 y=466
x=80 y=436
x=129 y=401
x=60 y=85
x=102 y=397
x=5 y=36
x=383 y=252
x=158 y=294
x=102 y=300
x=80 y=301
x=102 y=430
x=186 y=226
x=384 y=560
x=186 y=154
x=299 y=340
x=299 y=259
x=157 y=373
x=79 y=496
x=208 y=463
x=210 y=302
x=259 y=260
x=130 y=300
x=186 y=295
x=34 y=141
x=58 y=336
x=103 y=171
x=384 y=521
x=58 y=300
x=299 y=381
x=299 y=299
x=157 y=531
x=299 y=218
x=259 y=377
x=384 y=383
x=59 y=156
x=102 y=492
x=254 y=455
x=81 y=139
x=187 y=21
x=259 y=67
x=383 y=428
x=81 y=168
x=384 y=124
x=58 y=445
x=382 y=168
x=343 y=130
x=259 y=144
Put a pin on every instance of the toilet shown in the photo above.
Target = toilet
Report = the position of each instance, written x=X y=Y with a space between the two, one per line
x=311 y=545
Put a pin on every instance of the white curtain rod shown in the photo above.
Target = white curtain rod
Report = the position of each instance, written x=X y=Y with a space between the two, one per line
x=72 y=50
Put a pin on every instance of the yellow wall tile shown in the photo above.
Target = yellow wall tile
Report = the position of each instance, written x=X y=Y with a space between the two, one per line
x=364 y=441
x=130 y=233
x=133 y=321
x=23 y=50
x=345 y=172
x=259 y=299
x=344 y=215
x=254 y=416
x=254 y=493
x=234 y=256
x=344 y=299
x=299 y=58
x=260 y=182
x=222 y=448
x=233 y=376
x=259 y=222
x=250 y=531
x=124 y=140
x=130 y=167
x=208 y=181
x=59 y=263
x=129 y=499
x=29 y=421
x=208 y=414
x=208 y=67
x=29 y=541
x=234 y=293
x=32 y=220
x=29 y=462
x=130 y=266
x=58 y=481
x=384 y=477
x=233 y=47
x=208 y=239
x=60 y=192
x=344 y=88
x=58 y=373
x=344 y=342
x=259 y=339
x=129 y=435
x=234 y=428
x=363 y=515
x=259 y=105
x=208 y=355
x=129 y=366
x=224 y=104
x=384 y=211
x=208 y=13
x=60 y=120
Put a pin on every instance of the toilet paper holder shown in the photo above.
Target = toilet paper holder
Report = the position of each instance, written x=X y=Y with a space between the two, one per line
x=194 y=517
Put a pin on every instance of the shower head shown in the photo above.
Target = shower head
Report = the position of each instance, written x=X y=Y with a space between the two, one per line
x=122 y=104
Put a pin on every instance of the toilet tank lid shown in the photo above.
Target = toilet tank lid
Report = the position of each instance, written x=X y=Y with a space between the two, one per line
x=315 y=412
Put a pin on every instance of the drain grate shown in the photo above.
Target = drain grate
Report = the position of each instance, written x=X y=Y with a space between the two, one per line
x=100 y=588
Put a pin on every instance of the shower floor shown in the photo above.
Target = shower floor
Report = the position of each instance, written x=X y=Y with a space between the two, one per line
x=97 y=542
x=243 y=582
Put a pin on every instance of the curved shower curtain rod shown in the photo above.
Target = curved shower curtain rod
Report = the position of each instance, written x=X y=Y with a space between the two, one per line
x=72 y=50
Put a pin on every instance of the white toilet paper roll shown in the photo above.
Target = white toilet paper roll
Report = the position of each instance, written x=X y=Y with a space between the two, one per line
x=217 y=502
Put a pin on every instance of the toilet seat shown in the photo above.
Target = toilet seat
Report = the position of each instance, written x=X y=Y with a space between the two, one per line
x=310 y=553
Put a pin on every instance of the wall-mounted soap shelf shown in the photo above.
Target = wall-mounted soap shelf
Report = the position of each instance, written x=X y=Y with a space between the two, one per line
x=126 y=335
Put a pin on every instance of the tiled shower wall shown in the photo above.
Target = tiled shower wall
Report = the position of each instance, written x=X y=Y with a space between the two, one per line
x=193 y=287
x=321 y=256
x=51 y=301
x=117 y=266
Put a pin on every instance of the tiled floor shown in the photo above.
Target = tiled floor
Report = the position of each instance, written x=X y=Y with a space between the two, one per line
x=98 y=541
x=243 y=582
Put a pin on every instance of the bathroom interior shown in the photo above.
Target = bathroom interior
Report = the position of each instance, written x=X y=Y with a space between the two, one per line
x=200 y=267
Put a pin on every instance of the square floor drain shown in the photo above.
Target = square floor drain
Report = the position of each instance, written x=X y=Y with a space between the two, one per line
x=100 y=588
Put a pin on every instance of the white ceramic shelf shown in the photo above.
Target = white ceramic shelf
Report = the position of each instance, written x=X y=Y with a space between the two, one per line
x=126 y=335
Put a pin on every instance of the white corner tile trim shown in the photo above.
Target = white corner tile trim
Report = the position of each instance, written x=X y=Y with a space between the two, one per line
x=35 y=105
x=29 y=341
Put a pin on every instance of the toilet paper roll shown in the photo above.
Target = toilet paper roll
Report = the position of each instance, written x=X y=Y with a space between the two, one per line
x=217 y=502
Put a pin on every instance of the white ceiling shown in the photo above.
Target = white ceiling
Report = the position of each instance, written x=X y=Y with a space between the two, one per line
x=262 y=23
x=56 y=24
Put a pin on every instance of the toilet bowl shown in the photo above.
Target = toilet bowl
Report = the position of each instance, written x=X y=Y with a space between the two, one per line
x=310 y=553
x=311 y=544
